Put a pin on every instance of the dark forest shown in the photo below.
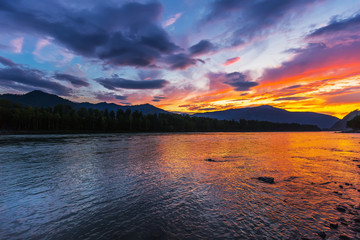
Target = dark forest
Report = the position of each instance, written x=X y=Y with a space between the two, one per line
x=15 y=117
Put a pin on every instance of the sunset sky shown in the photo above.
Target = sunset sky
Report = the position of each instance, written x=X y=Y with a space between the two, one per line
x=186 y=56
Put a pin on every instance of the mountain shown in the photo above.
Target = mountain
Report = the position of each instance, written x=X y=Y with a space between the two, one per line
x=262 y=113
x=37 y=99
x=41 y=99
x=341 y=124
x=272 y=114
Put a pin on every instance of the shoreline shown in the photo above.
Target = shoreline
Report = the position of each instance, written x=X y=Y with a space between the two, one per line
x=14 y=133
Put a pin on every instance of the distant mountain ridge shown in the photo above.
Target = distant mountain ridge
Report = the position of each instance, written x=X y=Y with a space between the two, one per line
x=262 y=113
x=341 y=125
x=272 y=114
x=38 y=98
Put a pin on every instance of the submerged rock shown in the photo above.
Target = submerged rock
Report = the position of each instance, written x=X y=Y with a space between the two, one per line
x=266 y=179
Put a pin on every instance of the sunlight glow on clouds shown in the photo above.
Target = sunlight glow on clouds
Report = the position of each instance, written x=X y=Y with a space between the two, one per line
x=172 y=20
x=186 y=57
x=17 y=44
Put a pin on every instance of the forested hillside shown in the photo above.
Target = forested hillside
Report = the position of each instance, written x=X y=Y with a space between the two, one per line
x=16 y=117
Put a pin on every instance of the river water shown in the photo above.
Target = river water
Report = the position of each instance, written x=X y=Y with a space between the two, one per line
x=160 y=186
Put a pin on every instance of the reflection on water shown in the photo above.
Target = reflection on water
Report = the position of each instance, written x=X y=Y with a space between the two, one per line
x=159 y=186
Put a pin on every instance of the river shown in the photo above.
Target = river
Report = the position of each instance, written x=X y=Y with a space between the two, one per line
x=161 y=186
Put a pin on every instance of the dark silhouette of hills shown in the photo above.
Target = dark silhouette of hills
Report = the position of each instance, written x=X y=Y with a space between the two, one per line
x=341 y=125
x=272 y=114
x=41 y=99
x=262 y=113
x=37 y=98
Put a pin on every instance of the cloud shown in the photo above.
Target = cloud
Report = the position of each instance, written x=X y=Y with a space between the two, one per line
x=41 y=43
x=7 y=62
x=338 y=26
x=172 y=20
x=115 y=82
x=202 y=47
x=315 y=62
x=291 y=99
x=239 y=81
x=346 y=98
x=109 y=97
x=119 y=97
x=221 y=9
x=74 y=80
x=20 y=77
x=231 y=61
x=4 y=47
x=17 y=44
x=248 y=20
x=181 y=61
x=158 y=98
x=127 y=35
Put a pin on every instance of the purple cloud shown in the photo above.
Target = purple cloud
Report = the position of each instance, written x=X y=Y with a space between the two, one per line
x=239 y=81
x=291 y=98
x=126 y=35
x=22 y=78
x=74 y=80
x=251 y=19
x=336 y=26
x=181 y=61
x=158 y=98
x=202 y=47
x=115 y=82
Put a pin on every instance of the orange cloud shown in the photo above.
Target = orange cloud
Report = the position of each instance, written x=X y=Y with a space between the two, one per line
x=231 y=61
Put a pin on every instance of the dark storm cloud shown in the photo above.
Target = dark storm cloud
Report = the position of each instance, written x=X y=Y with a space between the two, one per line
x=336 y=26
x=115 y=82
x=127 y=35
x=19 y=77
x=202 y=47
x=74 y=80
x=251 y=19
x=239 y=81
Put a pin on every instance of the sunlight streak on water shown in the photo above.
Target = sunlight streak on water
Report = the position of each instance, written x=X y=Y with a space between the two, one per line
x=159 y=186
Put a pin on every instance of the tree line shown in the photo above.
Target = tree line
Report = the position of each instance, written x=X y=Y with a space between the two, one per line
x=64 y=118
x=354 y=123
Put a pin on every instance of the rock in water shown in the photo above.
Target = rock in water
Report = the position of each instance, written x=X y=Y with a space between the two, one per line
x=267 y=179
x=210 y=160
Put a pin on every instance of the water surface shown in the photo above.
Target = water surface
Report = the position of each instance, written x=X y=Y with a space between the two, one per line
x=159 y=186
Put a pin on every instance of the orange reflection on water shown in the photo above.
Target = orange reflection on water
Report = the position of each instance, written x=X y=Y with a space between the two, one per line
x=308 y=169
